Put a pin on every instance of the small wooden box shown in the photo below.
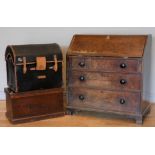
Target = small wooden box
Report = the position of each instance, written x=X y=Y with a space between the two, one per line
x=34 y=105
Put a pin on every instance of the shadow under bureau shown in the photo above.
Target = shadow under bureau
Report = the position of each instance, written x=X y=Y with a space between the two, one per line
x=105 y=73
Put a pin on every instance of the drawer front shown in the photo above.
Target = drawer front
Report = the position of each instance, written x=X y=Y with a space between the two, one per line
x=110 y=81
x=106 y=100
x=106 y=64
x=80 y=63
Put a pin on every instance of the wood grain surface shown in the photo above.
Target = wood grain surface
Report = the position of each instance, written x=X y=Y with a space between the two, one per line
x=82 y=119
x=107 y=81
x=34 y=104
x=104 y=64
x=108 y=45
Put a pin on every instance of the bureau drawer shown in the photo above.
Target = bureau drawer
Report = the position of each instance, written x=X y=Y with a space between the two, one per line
x=106 y=64
x=79 y=62
x=110 y=81
x=107 y=100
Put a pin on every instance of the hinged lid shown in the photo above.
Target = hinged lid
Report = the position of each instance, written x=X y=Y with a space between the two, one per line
x=31 y=52
x=108 y=45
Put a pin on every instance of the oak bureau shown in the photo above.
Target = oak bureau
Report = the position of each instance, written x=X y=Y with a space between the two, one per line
x=105 y=73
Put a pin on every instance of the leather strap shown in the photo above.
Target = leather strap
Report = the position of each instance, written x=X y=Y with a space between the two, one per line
x=24 y=65
x=40 y=64
x=55 y=63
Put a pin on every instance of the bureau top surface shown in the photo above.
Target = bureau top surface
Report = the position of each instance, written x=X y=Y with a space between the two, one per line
x=108 y=45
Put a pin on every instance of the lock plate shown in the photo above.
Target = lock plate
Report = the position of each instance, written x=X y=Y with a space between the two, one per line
x=40 y=63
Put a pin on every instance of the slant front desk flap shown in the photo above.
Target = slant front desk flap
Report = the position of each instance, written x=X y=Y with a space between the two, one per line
x=108 y=45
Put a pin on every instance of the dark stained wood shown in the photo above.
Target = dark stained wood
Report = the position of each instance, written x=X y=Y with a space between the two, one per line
x=108 y=81
x=103 y=64
x=82 y=119
x=108 y=45
x=33 y=105
x=96 y=66
x=33 y=67
x=104 y=100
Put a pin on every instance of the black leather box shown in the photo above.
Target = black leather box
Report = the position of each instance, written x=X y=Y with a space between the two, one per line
x=33 y=67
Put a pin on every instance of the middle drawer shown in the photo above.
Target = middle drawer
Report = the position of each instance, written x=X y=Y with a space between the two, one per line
x=109 y=81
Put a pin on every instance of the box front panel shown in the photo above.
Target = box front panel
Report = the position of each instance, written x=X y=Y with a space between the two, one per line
x=36 y=105
x=39 y=79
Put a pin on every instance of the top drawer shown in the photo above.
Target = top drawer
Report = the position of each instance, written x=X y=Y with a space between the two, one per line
x=105 y=64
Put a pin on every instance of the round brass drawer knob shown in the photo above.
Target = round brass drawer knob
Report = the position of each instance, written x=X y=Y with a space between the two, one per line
x=122 y=101
x=81 y=97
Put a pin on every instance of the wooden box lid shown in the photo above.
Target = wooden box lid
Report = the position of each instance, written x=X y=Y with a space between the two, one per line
x=108 y=45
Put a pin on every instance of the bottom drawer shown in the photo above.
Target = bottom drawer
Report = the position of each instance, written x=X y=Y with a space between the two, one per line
x=106 y=100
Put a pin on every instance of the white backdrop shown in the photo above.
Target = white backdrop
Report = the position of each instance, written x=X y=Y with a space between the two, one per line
x=63 y=37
